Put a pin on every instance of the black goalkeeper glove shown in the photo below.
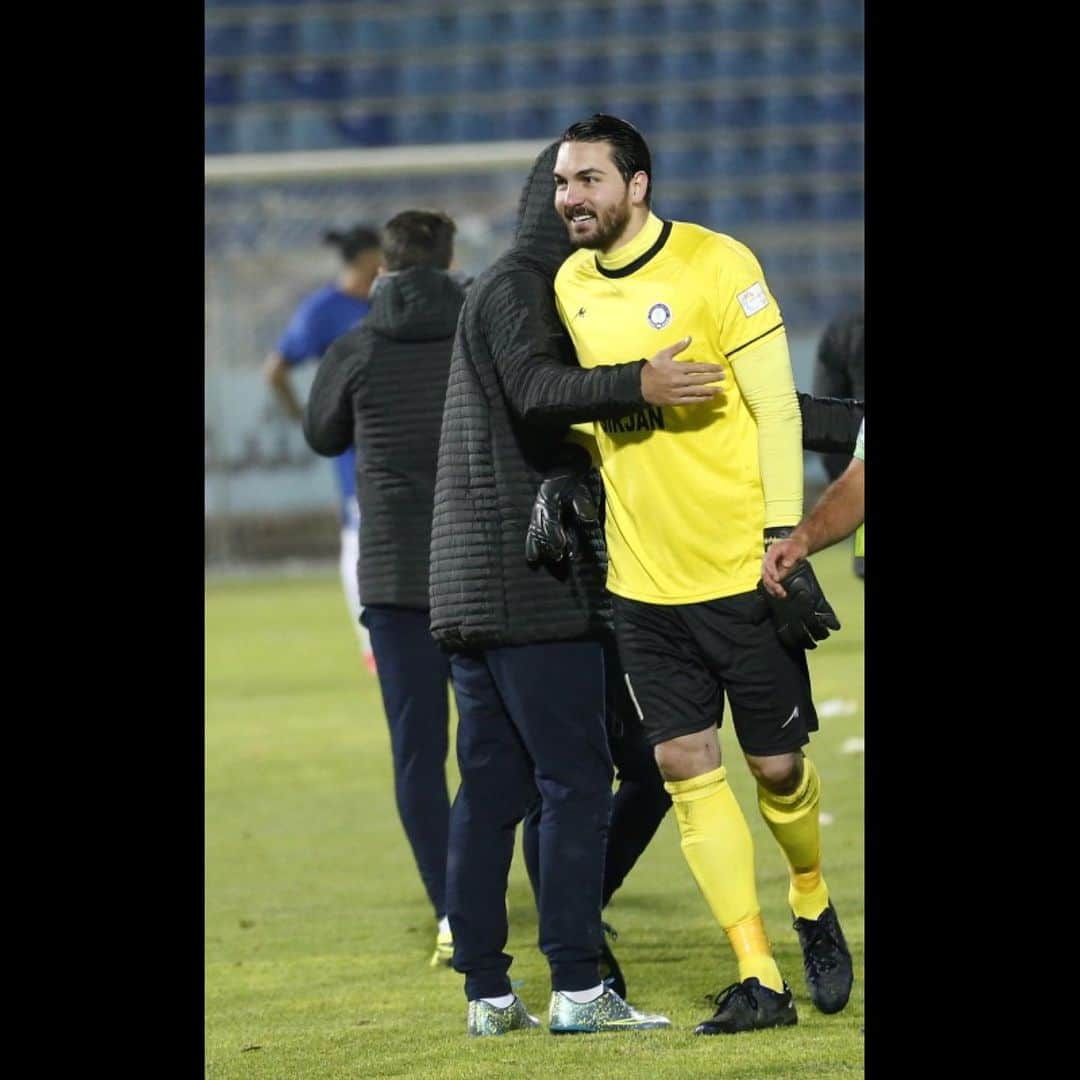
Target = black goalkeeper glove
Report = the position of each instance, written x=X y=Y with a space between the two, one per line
x=803 y=617
x=563 y=497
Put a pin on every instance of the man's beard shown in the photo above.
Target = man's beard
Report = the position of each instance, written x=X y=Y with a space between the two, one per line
x=609 y=224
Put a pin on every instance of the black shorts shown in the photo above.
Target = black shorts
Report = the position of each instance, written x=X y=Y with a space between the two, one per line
x=681 y=660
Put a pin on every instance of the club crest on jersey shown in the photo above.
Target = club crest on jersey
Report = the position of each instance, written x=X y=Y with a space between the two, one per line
x=659 y=316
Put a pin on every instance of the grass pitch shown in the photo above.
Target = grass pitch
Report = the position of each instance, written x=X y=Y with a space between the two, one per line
x=318 y=932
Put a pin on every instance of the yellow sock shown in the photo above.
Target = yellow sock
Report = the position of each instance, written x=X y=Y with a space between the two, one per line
x=793 y=819
x=718 y=848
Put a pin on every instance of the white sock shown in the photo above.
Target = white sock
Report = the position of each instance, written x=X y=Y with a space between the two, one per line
x=444 y=925
x=500 y=1002
x=583 y=997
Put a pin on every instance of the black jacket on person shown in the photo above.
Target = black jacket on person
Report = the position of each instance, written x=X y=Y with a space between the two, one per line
x=515 y=387
x=381 y=387
x=840 y=371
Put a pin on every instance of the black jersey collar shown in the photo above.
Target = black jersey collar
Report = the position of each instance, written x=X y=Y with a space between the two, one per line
x=641 y=260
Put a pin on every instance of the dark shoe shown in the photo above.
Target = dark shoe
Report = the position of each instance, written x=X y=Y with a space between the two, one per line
x=826 y=960
x=610 y=973
x=749 y=1006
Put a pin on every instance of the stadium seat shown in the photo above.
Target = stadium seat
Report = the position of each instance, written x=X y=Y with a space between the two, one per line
x=533 y=25
x=533 y=72
x=635 y=68
x=736 y=160
x=260 y=131
x=218 y=136
x=483 y=74
x=646 y=20
x=220 y=88
x=843 y=56
x=429 y=29
x=840 y=107
x=367 y=33
x=841 y=14
x=642 y=114
x=729 y=212
x=786 y=58
x=794 y=15
x=420 y=127
x=743 y=15
x=695 y=113
x=261 y=85
x=425 y=77
x=585 y=23
x=484 y=27
x=362 y=127
x=786 y=109
x=318 y=83
x=692 y=18
x=225 y=40
x=271 y=37
x=479 y=125
x=690 y=162
x=682 y=206
x=312 y=128
x=841 y=204
x=370 y=80
x=744 y=111
x=783 y=205
x=583 y=69
x=790 y=158
x=840 y=156
x=320 y=34
x=532 y=122
x=689 y=65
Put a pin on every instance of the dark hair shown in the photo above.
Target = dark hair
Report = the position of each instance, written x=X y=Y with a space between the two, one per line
x=628 y=148
x=419 y=238
x=350 y=242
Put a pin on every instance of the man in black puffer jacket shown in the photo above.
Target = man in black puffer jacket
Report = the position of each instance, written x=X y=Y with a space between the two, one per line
x=527 y=661
x=383 y=384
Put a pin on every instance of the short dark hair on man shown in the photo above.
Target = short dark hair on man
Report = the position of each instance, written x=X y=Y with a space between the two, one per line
x=628 y=146
x=419 y=238
x=350 y=242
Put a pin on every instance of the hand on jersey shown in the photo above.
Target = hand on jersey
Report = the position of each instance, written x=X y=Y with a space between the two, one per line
x=803 y=616
x=667 y=381
x=562 y=502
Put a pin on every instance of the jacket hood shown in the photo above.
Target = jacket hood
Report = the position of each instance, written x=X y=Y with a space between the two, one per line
x=418 y=304
x=541 y=233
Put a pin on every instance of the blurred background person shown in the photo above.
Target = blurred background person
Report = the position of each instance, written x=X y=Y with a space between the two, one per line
x=320 y=319
x=380 y=387
x=840 y=372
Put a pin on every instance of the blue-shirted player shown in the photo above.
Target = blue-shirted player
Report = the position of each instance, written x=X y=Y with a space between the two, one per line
x=320 y=318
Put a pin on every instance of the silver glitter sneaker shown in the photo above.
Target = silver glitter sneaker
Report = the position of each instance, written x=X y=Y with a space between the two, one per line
x=607 y=1013
x=486 y=1019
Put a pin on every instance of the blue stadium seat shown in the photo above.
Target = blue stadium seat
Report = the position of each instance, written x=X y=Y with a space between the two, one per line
x=646 y=20
x=791 y=158
x=271 y=37
x=691 y=162
x=425 y=77
x=642 y=114
x=636 y=67
x=696 y=113
x=582 y=22
x=843 y=204
x=220 y=88
x=841 y=155
x=259 y=85
x=312 y=128
x=841 y=14
x=479 y=125
x=420 y=127
x=366 y=33
x=319 y=34
x=791 y=57
x=840 y=107
x=532 y=122
x=786 y=109
x=692 y=18
x=588 y=69
x=361 y=127
x=533 y=25
x=370 y=80
x=218 y=136
x=429 y=28
x=225 y=40
x=689 y=65
x=729 y=212
x=537 y=72
x=794 y=14
x=838 y=260
x=482 y=74
x=782 y=206
x=682 y=206
x=745 y=111
x=843 y=56
x=736 y=160
x=484 y=27
x=742 y=15
x=317 y=83
x=256 y=132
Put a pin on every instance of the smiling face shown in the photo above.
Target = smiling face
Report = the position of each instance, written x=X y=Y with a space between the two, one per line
x=592 y=197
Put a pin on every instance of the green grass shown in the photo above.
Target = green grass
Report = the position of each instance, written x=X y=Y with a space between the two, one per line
x=318 y=932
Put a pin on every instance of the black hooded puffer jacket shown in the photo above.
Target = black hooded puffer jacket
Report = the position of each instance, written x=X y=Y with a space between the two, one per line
x=514 y=389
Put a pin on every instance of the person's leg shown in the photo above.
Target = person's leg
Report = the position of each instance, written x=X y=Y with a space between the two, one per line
x=680 y=704
x=414 y=679
x=496 y=789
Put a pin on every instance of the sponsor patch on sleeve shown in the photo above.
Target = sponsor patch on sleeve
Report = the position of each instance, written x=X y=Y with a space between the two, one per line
x=753 y=300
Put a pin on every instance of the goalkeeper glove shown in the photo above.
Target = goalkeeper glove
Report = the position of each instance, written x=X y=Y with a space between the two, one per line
x=563 y=497
x=803 y=617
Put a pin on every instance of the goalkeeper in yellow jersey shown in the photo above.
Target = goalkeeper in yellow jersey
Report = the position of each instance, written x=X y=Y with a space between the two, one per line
x=694 y=493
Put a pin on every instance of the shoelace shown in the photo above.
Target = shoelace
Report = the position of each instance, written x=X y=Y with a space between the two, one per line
x=725 y=995
x=821 y=934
